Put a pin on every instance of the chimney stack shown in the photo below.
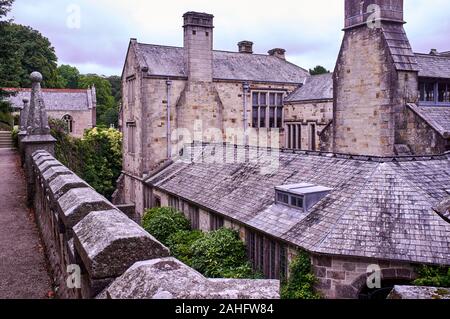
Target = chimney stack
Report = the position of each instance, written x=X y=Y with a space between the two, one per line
x=245 y=47
x=278 y=53
x=198 y=44
x=360 y=12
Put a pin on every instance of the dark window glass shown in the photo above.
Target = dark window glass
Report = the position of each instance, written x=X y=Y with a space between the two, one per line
x=255 y=99
x=262 y=117
x=272 y=99
x=194 y=217
x=279 y=117
x=280 y=99
x=429 y=92
x=283 y=262
x=255 y=116
x=272 y=117
x=273 y=260
x=263 y=99
x=216 y=222
x=313 y=137
x=422 y=91
x=444 y=93
x=299 y=136
x=284 y=198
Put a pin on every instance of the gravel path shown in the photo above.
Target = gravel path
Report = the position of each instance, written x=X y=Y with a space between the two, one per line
x=23 y=271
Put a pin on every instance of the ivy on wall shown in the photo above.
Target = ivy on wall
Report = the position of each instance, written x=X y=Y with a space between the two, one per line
x=96 y=158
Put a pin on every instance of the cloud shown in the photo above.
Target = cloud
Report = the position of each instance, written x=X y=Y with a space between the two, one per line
x=310 y=31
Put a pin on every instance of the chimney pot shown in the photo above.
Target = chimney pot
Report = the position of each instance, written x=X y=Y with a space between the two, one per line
x=278 y=53
x=245 y=47
x=434 y=52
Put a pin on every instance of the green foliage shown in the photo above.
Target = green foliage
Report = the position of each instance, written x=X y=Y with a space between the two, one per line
x=433 y=276
x=105 y=99
x=162 y=222
x=318 y=70
x=96 y=158
x=180 y=244
x=23 y=51
x=301 y=281
x=218 y=254
x=5 y=7
x=102 y=159
x=116 y=87
x=15 y=137
x=68 y=77
x=221 y=254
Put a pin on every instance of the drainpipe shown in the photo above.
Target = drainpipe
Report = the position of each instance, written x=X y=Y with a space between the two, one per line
x=246 y=89
x=168 y=134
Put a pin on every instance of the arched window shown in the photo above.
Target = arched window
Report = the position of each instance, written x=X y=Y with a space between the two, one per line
x=69 y=122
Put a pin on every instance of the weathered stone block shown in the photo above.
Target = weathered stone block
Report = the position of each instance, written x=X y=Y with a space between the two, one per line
x=346 y=292
x=338 y=275
x=42 y=168
x=169 y=278
x=412 y=292
x=78 y=203
x=54 y=172
x=109 y=242
x=63 y=183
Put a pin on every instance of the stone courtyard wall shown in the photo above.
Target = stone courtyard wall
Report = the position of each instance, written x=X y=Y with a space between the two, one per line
x=116 y=257
x=345 y=277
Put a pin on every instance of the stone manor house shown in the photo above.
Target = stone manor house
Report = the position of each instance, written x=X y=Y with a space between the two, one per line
x=364 y=162
x=76 y=107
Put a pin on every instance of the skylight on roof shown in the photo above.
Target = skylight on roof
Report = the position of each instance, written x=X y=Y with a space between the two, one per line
x=301 y=196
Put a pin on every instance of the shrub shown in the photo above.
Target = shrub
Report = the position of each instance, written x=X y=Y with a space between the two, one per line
x=221 y=254
x=163 y=222
x=96 y=158
x=301 y=282
x=433 y=276
x=180 y=244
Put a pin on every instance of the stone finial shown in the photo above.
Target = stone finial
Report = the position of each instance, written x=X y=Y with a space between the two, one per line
x=24 y=114
x=37 y=123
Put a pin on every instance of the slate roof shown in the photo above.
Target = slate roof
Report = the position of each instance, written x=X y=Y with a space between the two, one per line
x=379 y=208
x=433 y=66
x=57 y=99
x=438 y=117
x=399 y=47
x=316 y=87
x=170 y=61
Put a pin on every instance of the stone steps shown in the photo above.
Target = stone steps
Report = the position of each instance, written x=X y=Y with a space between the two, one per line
x=6 y=140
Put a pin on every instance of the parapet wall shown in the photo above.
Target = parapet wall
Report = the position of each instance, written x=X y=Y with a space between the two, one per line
x=116 y=257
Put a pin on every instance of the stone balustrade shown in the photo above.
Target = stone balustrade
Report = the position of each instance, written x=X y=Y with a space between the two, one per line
x=116 y=257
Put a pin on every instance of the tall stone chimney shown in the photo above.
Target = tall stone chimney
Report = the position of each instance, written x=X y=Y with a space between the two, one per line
x=198 y=44
x=375 y=76
x=245 y=47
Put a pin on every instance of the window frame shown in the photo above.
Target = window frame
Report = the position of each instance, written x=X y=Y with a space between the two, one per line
x=68 y=119
x=262 y=106
x=435 y=83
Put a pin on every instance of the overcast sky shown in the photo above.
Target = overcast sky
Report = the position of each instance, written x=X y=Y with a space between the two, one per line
x=310 y=31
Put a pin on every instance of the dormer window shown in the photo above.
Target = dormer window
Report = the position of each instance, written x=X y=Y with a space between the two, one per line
x=300 y=196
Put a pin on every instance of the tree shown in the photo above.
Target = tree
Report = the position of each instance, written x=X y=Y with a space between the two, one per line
x=68 y=76
x=318 y=70
x=105 y=100
x=5 y=7
x=23 y=51
x=116 y=86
